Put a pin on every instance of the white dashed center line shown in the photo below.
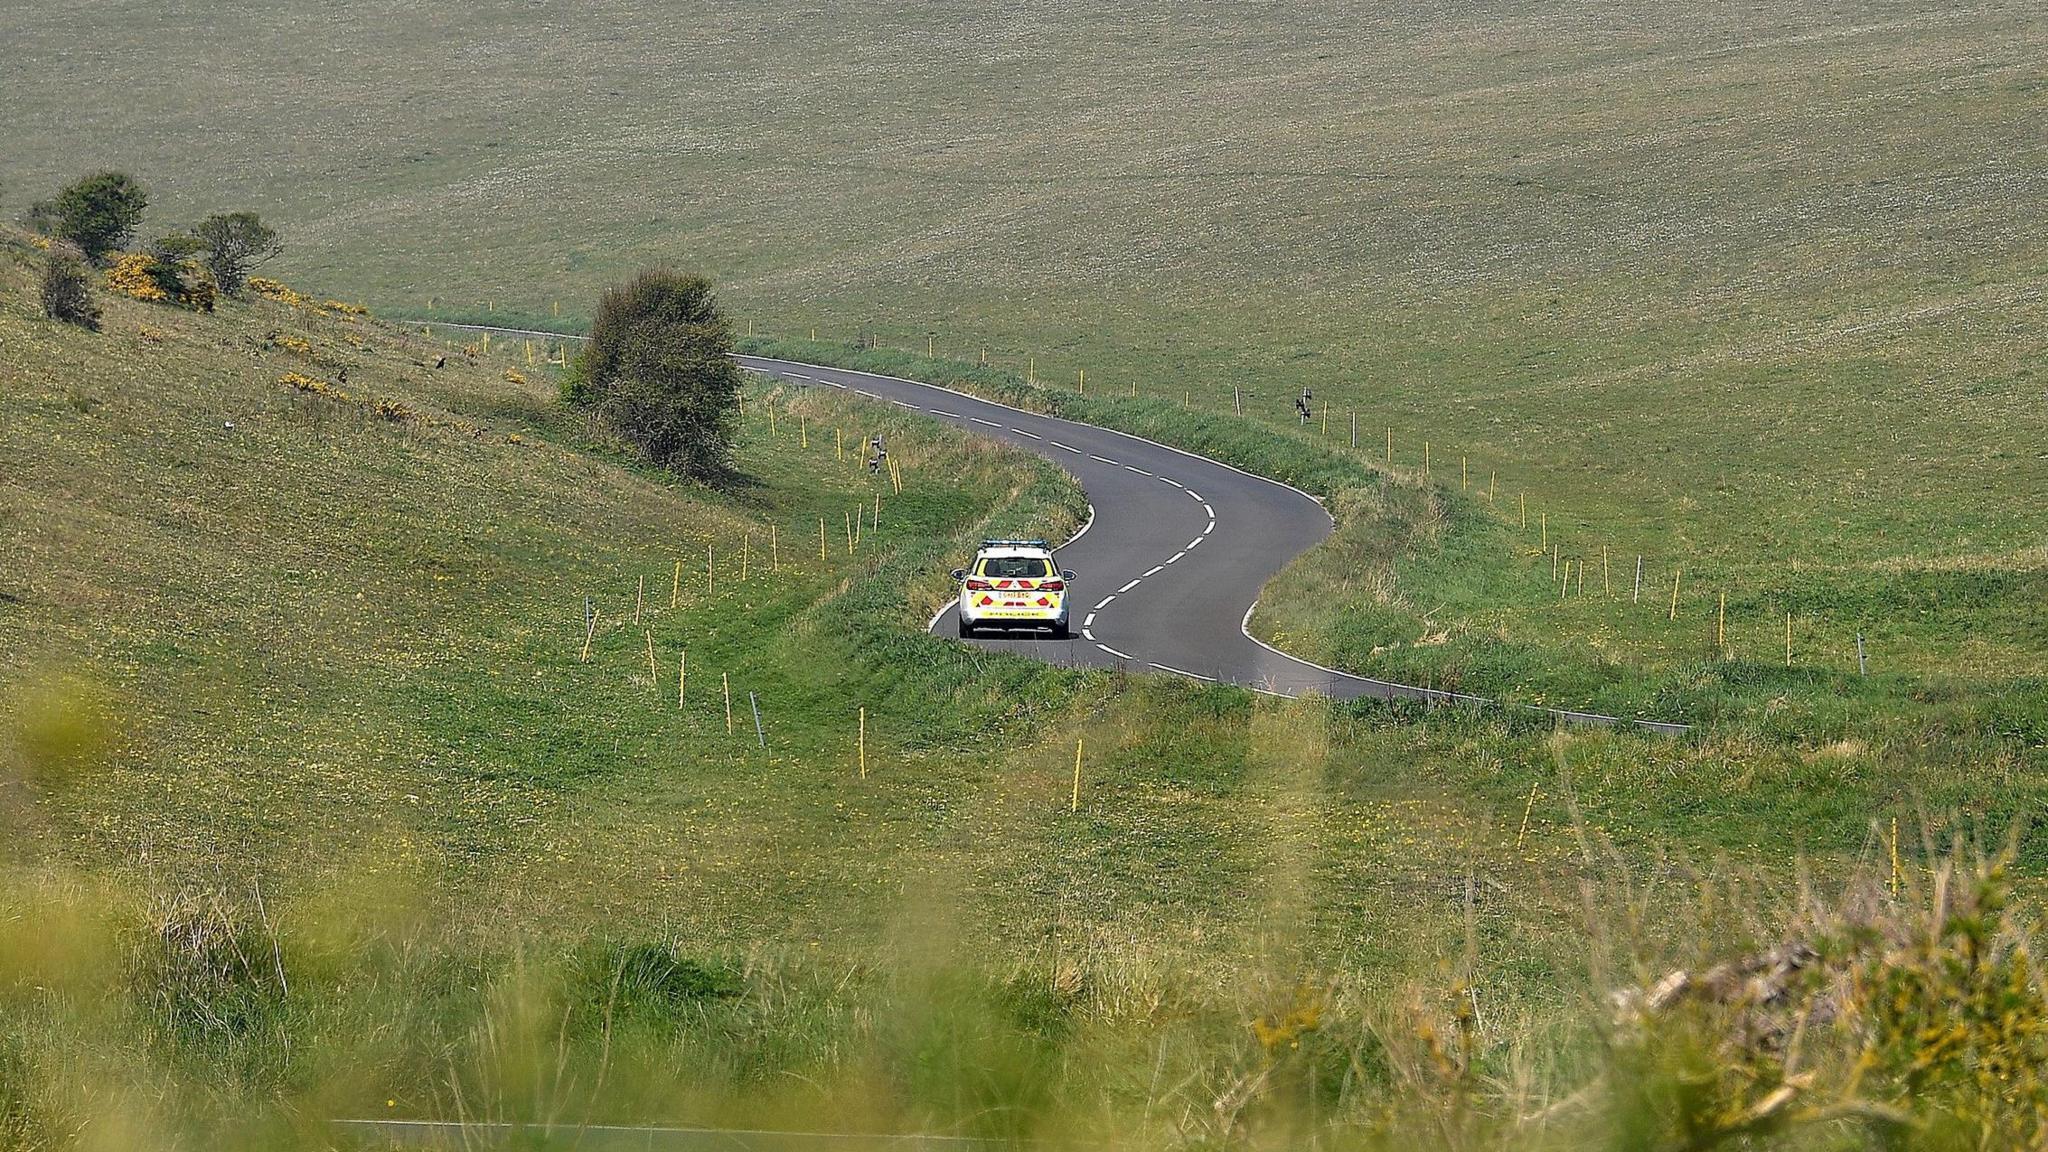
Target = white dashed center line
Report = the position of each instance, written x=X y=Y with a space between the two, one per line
x=1195 y=541
x=1128 y=587
x=1176 y=556
x=1156 y=570
x=979 y=420
x=1114 y=652
x=1175 y=483
x=1105 y=602
x=1103 y=459
x=1021 y=432
x=1068 y=447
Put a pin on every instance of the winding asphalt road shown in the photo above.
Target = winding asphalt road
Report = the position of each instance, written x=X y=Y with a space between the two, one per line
x=1172 y=561
x=1170 y=567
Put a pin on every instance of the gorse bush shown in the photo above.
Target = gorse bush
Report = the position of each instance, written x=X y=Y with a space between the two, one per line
x=658 y=372
x=66 y=289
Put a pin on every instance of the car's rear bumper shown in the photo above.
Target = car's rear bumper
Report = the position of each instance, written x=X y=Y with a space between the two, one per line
x=1014 y=617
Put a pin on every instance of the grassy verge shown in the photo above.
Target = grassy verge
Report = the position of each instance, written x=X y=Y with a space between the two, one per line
x=1411 y=585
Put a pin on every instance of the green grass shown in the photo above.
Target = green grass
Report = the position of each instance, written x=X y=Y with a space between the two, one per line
x=337 y=655
x=1747 y=293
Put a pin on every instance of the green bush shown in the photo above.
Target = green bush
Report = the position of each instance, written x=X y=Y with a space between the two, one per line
x=99 y=213
x=658 y=371
x=67 y=290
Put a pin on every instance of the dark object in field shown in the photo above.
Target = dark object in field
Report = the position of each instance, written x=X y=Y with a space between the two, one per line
x=67 y=289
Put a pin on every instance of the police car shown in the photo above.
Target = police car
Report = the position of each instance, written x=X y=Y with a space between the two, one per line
x=1014 y=584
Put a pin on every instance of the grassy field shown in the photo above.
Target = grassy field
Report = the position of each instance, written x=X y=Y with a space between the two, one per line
x=1753 y=295
x=300 y=676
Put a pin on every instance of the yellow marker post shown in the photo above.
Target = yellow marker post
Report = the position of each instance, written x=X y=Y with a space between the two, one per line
x=725 y=683
x=1543 y=527
x=1463 y=483
x=803 y=432
x=653 y=673
x=1074 y=805
x=1425 y=460
x=863 y=742
x=821 y=538
x=1084 y=381
x=682 y=675
x=1721 y=626
x=1390 y=445
x=1674 y=594
x=1788 y=639
x=1525 y=509
x=1895 y=857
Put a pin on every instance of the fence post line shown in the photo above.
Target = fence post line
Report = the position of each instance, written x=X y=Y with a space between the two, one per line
x=760 y=737
x=639 y=599
x=863 y=745
x=653 y=673
x=1675 y=573
x=682 y=676
x=821 y=539
x=1638 y=597
x=725 y=686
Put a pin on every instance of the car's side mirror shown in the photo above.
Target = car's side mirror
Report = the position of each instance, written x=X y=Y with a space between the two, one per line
x=1066 y=573
x=959 y=573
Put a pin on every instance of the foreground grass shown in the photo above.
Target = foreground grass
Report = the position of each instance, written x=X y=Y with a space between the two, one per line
x=312 y=801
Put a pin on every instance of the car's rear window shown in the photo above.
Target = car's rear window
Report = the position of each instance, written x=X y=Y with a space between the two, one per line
x=1015 y=567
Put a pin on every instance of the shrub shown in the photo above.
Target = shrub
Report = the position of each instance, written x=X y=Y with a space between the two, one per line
x=67 y=289
x=235 y=243
x=98 y=213
x=658 y=371
x=158 y=277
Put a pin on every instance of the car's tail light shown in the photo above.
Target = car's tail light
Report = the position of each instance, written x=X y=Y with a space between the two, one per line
x=1053 y=586
x=978 y=585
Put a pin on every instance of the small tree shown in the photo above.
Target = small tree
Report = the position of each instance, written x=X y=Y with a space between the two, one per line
x=100 y=212
x=236 y=243
x=658 y=370
x=67 y=289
